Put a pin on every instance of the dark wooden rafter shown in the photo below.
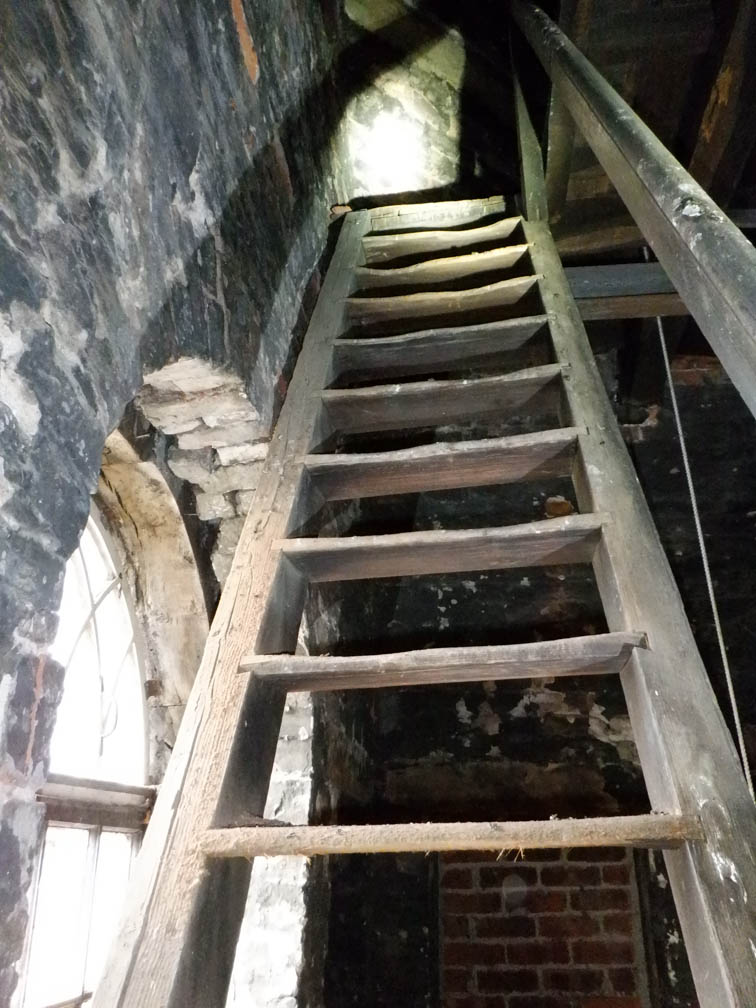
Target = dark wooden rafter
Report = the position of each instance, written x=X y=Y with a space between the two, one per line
x=711 y=264
x=728 y=129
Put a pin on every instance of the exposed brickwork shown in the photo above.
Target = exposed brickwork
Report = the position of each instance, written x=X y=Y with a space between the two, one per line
x=552 y=930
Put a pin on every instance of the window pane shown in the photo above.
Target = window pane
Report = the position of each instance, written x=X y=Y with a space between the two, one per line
x=100 y=727
x=56 y=961
x=113 y=865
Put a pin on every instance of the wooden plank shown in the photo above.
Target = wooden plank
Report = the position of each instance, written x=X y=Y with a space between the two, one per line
x=728 y=128
x=182 y=916
x=688 y=758
x=439 y=270
x=382 y=249
x=444 y=465
x=633 y=306
x=411 y=353
x=444 y=214
x=624 y=290
x=711 y=264
x=599 y=654
x=382 y=312
x=436 y=403
x=652 y=830
x=569 y=540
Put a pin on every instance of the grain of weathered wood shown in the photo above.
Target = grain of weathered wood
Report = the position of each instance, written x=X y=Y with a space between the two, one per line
x=623 y=290
x=663 y=831
x=444 y=465
x=434 y=271
x=443 y=214
x=554 y=541
x=384 y=311
x=179 y=930
x=436 y=403
x=598 y=654
x=383 y=249
x=411 y=353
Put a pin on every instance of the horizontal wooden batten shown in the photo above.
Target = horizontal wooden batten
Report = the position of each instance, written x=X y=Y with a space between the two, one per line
x=445 y=465
x=384 y=248
x=440 y=270
x=455 y=346
x=598 y=654
x=404 y=308
x=567 y=540
x=437 y=403
x=651 y=830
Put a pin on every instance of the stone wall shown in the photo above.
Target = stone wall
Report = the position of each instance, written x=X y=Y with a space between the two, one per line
x=165 y=190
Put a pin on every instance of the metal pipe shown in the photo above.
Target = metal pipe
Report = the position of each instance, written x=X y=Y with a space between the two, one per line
x=709 y=261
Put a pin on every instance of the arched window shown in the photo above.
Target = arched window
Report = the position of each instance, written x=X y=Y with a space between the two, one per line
x=95 y=794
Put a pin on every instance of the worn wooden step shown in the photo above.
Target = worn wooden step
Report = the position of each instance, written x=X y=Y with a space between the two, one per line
x=450 y=346
x=382 y=249
x=597 y=654
x=651 y=830
x=436 y=403
x=434 y=216
x=434 y=271
x=388 y=313
x=569 y=540
x=444 y=465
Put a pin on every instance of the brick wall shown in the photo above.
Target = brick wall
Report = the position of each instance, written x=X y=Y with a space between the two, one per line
x=557 y=929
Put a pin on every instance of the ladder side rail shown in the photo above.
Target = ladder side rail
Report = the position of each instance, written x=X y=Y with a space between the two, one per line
x=711 y=264
x=178 y=934
x=688 y=757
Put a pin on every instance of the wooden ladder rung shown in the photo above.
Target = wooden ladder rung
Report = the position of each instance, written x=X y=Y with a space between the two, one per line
x=380 y=248
x=597 y=654
x=445 y=465
x=435 y=403
x=650 y=830
x=436 y=216
x=440 y=270
x=409 y=353
x=569 y=540
x=404 y=308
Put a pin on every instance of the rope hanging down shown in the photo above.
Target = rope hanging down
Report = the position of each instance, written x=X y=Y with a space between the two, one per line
x=705 y=559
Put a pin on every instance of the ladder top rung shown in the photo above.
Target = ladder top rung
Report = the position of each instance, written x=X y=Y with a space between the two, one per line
x=596 y=654
x=650 y=830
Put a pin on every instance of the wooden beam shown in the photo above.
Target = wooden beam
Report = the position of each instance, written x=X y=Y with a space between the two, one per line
x=728 y=128
x=444 y=465
x=443 y=214
x=711 y=264
x=664 y=831
x=434 y=271
x=626 y=290
x=436 y=403
x=569 y=540
x=598 y=654
x=383 y=249
x=417 y=352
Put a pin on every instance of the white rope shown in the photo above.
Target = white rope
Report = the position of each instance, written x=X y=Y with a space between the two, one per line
x=705 y=560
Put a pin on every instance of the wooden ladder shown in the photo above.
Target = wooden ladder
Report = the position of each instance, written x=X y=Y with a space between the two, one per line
x=177 y=945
